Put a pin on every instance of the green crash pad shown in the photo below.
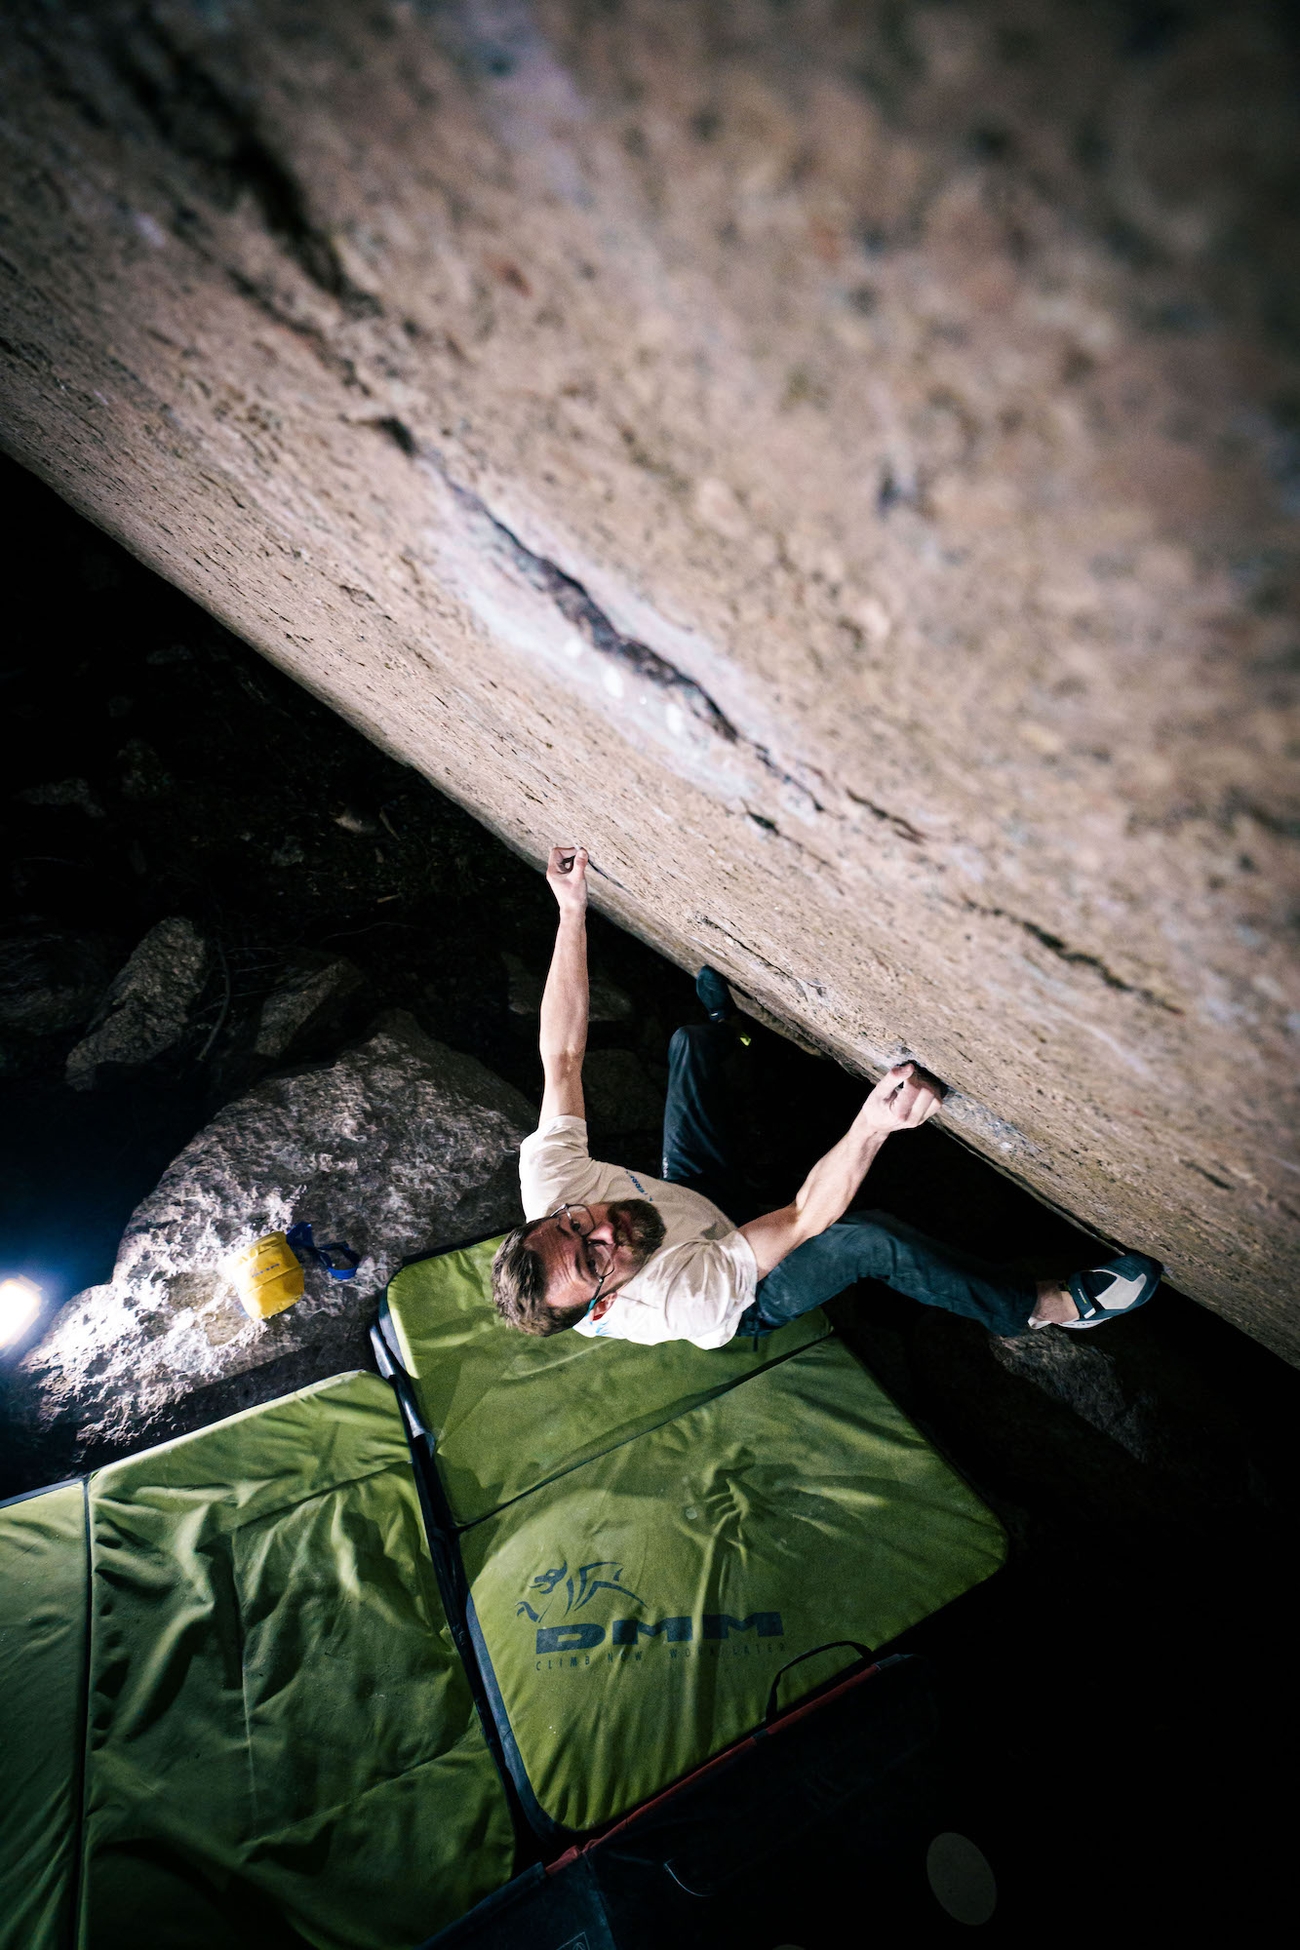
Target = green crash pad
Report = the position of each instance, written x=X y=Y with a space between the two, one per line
x=282 y=1746
x=651 y=1535
x=43 y=1595
x=511 y=1411
x=636 y=1610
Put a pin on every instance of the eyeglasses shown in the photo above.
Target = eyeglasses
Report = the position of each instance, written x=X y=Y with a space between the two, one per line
x=594 y=1256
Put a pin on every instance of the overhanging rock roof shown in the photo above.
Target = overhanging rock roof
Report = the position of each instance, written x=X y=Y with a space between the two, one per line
x=837 y=467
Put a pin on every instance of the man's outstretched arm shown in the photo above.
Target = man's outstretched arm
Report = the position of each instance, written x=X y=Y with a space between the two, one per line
x=565 y=999
x=899 y=1102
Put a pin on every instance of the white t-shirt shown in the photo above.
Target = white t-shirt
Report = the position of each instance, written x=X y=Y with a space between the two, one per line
x=698 y=1283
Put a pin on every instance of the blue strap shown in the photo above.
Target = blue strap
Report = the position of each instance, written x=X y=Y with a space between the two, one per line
x=335 y=1258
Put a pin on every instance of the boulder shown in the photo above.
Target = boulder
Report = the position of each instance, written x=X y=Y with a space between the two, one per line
x=1136 y=1385
x=400 y=1146
x=147 y=1008
x=619 y=1095
x=523 y=987
x=49 y=981
x=606 y=1001
x=1085 y=1378
x=304 y=1002
x=144 y=776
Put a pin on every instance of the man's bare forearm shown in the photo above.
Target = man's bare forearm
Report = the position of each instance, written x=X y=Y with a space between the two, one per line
x=565 y=1000
x=563 y=1037
x=825 y=1196
x=831 y=1186
x=901 y=1101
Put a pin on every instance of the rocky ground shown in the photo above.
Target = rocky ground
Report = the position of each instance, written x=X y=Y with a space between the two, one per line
x=252 y=968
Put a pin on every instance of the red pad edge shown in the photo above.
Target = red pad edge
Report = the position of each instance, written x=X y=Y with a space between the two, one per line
x=813 y=1704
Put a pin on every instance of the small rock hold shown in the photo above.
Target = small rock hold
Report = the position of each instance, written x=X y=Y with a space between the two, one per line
x=146 y=1009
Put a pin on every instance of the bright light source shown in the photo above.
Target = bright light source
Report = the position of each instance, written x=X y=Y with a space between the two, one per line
x=20 y=1302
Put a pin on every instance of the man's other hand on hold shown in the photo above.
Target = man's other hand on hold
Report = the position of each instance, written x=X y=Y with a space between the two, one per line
x=903 y=1099
x=900 y=1102
x=566 y=875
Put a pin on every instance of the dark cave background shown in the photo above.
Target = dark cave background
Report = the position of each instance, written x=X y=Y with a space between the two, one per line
x=1120 y=1700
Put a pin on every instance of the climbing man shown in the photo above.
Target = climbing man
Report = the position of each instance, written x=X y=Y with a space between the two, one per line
x=616 y=1253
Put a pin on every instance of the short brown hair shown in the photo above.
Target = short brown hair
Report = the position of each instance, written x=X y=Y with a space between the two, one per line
x=519 y=1287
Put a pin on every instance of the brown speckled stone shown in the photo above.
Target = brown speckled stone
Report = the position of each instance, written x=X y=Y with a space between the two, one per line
x=839 y=463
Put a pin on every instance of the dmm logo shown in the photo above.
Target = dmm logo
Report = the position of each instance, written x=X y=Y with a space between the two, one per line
x=629 y=1631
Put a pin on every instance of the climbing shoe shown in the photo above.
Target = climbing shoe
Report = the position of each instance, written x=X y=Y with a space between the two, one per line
x=715 y=995
x=1119 y=1287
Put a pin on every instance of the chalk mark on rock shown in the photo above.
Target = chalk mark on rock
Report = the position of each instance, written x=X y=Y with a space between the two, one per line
x=588 y=620
x=596 y=628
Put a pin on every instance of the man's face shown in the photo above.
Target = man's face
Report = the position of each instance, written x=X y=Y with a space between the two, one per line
x=595 y=1245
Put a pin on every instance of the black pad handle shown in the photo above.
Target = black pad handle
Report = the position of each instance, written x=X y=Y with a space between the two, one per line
x=863 y=1650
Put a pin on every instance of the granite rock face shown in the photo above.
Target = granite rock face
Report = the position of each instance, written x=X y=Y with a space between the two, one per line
x=399 y=1146
x=619 y=1096
x=49 y=981
x=841 y=464
x=301 y=1003
x=147 y=1007
x=1084 y=1377
x=606 y=1002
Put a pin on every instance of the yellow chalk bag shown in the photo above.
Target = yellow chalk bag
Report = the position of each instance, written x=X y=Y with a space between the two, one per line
x=267 y=1276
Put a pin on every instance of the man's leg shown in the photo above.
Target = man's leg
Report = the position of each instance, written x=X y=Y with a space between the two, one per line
x=699 y=1132
x=876 y=1246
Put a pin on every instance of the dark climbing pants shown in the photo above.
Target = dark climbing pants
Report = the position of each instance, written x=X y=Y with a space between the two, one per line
x=701 y=1150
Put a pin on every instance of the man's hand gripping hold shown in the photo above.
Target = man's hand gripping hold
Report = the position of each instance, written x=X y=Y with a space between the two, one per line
x=903 y=1099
